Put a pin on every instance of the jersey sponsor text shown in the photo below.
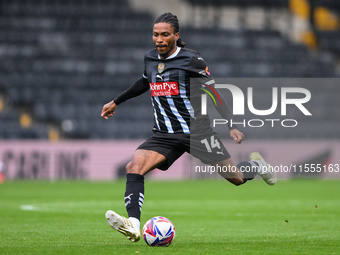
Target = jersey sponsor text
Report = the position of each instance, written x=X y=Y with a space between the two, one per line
x=169 y=88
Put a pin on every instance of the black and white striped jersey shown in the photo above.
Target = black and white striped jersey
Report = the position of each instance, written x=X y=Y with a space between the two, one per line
x=171 y=92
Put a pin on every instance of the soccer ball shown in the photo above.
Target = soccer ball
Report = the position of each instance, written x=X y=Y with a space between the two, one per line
x=158 y=231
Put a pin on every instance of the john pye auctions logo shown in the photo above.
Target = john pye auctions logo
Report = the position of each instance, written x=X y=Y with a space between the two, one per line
x=169 y=88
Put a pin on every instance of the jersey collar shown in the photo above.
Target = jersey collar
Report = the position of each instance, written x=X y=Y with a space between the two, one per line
x=173 y=54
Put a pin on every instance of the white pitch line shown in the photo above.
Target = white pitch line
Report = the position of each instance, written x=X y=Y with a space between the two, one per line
x=92 y=206
x=28 y=207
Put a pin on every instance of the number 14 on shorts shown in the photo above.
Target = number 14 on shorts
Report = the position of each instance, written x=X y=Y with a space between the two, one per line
x=214 y=143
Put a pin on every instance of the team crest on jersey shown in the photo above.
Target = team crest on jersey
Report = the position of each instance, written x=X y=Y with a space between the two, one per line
x=161 y=67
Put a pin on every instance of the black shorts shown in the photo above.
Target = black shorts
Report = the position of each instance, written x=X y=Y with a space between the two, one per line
x=208 y=147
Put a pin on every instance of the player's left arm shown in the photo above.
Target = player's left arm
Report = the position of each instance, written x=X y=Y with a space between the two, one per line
x=237 y=135
x=225 y=112
x=206 y=80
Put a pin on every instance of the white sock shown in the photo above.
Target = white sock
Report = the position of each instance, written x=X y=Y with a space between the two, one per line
x=135 y=222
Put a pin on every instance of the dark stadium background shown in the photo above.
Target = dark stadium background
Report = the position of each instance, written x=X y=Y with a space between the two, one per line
x=61 y=61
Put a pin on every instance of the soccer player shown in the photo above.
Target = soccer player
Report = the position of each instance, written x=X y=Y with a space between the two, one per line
x=174 y=76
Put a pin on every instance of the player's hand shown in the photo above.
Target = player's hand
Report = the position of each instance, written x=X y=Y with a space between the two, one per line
x=109 y=110
x=237 y=136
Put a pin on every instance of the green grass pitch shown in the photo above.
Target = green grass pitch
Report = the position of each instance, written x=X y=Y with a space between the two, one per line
x=210 y=217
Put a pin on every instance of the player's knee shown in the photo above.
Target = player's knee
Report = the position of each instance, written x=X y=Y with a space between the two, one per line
x=132 y=168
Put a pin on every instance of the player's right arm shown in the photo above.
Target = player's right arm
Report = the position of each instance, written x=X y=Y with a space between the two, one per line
x=138 y=88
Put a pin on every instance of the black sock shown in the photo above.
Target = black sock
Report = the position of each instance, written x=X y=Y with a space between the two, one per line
x=134 y=195
x=249 y=169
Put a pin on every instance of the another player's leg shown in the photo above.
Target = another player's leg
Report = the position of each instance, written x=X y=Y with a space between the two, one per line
x=142 y=162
